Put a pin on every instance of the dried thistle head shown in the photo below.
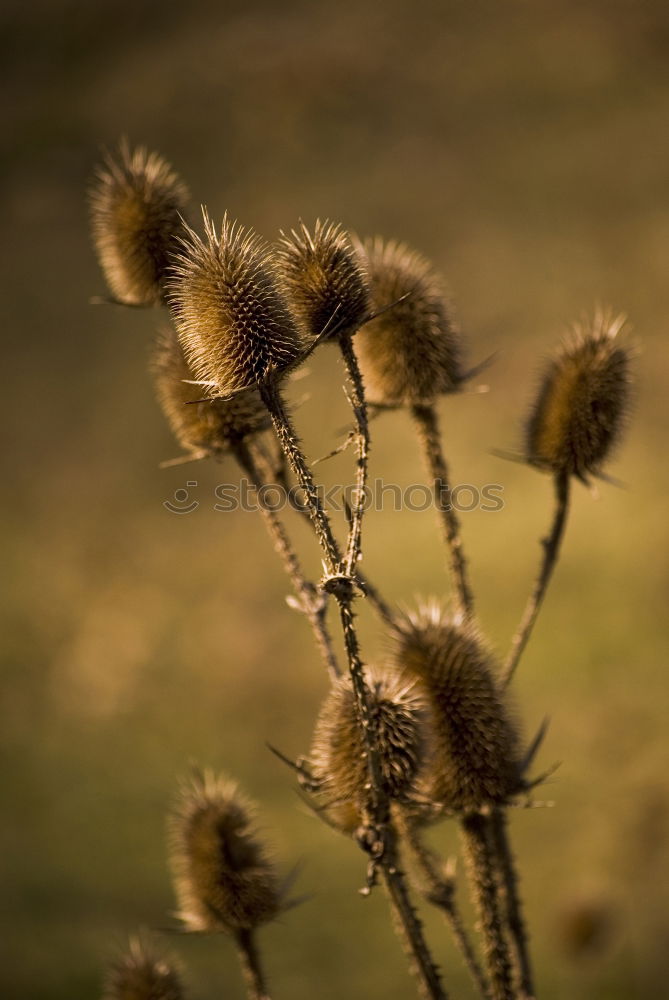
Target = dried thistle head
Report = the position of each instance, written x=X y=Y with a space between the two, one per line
x=412 y=352
x=338 y=761
x=324 y=279
x=136 y=204
x=235 y=327
x=224 y=877
x=476 y=753
x=208 y=427
x=580 y=409
x=142 y=974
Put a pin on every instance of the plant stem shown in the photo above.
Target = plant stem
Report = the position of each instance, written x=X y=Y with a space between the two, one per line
x=429 y=435
x=551 y=547
x=511 y=898
x=359 y=408
x=249 y=959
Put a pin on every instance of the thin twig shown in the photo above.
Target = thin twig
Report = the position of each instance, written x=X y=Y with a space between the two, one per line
x=249 y=960
x=551 y=547
x=511 y=897
x=359 y=407
x=427 y=426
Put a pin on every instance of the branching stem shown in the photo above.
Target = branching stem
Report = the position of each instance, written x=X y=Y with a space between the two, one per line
x=359 y=407
x=249 y=960
x=511 y=897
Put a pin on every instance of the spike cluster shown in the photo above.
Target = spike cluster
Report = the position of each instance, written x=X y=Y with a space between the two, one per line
x=235 y=327
x=136 y=205
x=141 y=974
x=582 y=402
x=476 y=758
x=411 y=352
x=223 y=875
x=324 y=279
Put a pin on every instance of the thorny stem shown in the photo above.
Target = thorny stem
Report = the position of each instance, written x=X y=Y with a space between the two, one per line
x=359 y=407
x=511 y=897
x=314 y=605
x=249 y=959
x=427 y=426
x=479 y=857
x=551 y=547
x=439 y=890
x=380 y=837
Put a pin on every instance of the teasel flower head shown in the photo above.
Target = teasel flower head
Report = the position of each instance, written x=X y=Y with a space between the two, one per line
x=411 y=352
x=476 y=757
x=338 y=761
x=324 y=279
x=142 y=974
x=208 y=426
x=583 y=399
x=233 y=322
x=136 y=207
x=224 y=877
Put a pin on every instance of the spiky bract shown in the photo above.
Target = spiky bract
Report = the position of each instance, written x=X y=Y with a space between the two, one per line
x=338 y=760
x=234 y=324
x=324 y=279
x=476 y=749
x=207 y=427
x=412 y=352
x=136 y=203
x=142 y=974
x=223 y=875
x=580 y=409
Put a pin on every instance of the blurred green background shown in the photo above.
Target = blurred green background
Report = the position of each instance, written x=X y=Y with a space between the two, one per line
x=525 y=148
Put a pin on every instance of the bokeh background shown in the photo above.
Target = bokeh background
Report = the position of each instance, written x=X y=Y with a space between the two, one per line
x=524 y=147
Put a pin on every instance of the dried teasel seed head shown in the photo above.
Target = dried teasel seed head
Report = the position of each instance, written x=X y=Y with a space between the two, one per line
x=338 y=762
x=412 y=352
x=136 y=204
x=476 y=753
x=142 y=974
x=224 y=877
x=207 y=427
x=324 y=279
x=235 y=327
x=580 y=409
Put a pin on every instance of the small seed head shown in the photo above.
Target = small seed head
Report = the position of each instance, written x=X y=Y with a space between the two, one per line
x=412 y=352
x=475 y=759
x=324 y=280
x=142 y=974
x=136 y=203
x=233 y=323
x=223 y=875
x=580 y=409
x=208 y=427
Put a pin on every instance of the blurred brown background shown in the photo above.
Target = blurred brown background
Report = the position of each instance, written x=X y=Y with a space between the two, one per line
x=525 y=147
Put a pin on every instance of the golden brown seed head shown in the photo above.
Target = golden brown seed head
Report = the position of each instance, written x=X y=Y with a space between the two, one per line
x=232 y=320
x=580 y=409
x=208 y=427
x=411 y=352
x=135 y=204
x=142 y=974
x=324 y=279
x=223 y=875
x=476 y=754
x=338 y=760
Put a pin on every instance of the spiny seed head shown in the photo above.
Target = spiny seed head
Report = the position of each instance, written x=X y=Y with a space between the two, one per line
x=412 y=351
x=580 y=409
x=142 y=974
x=476 y=753
x=136 y=203
x=208 y=427
x=223 y=875
x=338 y=759
x=324 y=279
x=235 y=327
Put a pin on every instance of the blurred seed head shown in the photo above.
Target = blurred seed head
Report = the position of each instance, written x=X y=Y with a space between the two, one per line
x=208 y=427
x=412 y=352
x=136 y=204
x=324 y=280
x=234 y=324
x=338 y=760
x=476 y=753
x=224 y=877
x=142 y=974
x=579 y=412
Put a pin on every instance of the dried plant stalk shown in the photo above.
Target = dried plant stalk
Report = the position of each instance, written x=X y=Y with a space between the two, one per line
x=251 y=966
x=511 y=896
